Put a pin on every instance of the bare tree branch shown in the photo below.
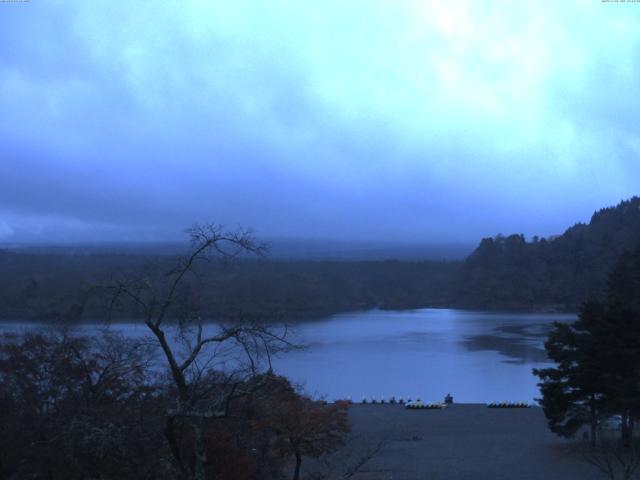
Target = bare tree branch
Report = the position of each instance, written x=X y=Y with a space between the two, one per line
x=202 y=393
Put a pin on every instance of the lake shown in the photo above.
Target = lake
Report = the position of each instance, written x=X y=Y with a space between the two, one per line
x=426 y=353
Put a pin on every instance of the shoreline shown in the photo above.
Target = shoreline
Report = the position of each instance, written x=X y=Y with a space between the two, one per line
x=464 y=441
x=312 y=317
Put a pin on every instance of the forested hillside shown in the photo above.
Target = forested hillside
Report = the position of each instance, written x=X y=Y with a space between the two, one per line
x=556 y=273
x=505 y=272
x=62 y=286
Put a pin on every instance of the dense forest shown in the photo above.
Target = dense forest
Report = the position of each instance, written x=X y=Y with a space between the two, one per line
x=556 y=273
x=504 y=272
x=69 y=287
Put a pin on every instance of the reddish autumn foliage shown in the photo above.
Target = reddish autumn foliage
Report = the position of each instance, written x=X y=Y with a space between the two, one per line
x=302 y=426
x=73 y=407
x=78 y=408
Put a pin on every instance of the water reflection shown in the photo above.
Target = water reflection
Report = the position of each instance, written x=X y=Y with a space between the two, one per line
x=521 y=343
x=476 y=356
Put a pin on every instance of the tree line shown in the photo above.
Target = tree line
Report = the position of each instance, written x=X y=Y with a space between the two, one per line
x=558 y=273
x=504 y=272
x=49 y=287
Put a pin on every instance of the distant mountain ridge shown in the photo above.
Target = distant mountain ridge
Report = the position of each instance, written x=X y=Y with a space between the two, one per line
x=558 y=273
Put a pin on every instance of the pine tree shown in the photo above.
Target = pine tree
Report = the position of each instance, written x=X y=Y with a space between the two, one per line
x=573 y=392
x=598 y=359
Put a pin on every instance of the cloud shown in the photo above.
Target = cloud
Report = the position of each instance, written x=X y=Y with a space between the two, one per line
x=6 y=231
x=422 y=120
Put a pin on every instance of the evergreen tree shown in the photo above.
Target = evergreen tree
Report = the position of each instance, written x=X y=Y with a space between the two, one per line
x=619 y=339
x=573 y=392
x=598 y=359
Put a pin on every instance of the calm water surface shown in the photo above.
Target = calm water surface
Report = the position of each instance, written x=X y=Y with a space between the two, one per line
x=475 y=356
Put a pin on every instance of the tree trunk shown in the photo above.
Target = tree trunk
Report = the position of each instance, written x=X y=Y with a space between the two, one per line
x=626 y=429
x=296 y=472
x=594 y=422
x=172 y=440
x=199 y=472
x=176 y=373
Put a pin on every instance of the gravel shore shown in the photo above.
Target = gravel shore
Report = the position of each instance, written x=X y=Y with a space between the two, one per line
x=464 y=441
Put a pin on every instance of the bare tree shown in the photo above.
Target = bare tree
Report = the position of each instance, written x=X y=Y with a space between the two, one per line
x=614 y=459
x=209 y=365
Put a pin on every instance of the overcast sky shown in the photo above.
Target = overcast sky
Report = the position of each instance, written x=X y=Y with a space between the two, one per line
x=423 y=121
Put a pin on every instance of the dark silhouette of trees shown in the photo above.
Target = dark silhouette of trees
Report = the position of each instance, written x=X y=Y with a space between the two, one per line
x=598 y=359
x=302 y=426
x=613 y=459
x=556 y=273
x=192 y=400
x=209 y=365
x=73 y=407
x=619 y=342
x=52 y=286
x=573 y=391
x=78 y=407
